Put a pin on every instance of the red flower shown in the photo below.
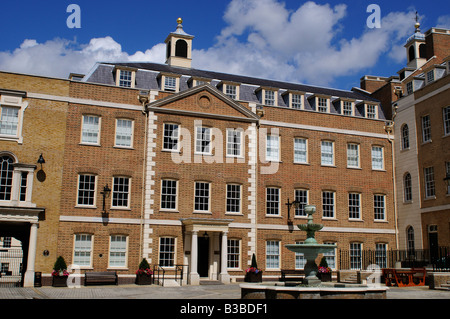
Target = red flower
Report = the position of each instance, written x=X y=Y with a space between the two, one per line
x=144 y=272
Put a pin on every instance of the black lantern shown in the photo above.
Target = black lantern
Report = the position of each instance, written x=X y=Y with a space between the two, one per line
x=106 y=191
x=295 y=203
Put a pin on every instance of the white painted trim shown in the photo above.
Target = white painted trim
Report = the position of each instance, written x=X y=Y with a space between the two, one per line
x=324 y=129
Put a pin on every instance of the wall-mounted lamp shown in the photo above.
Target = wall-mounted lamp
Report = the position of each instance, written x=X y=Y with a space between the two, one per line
x=106 y=191
x=41 y=160
x=295 y=203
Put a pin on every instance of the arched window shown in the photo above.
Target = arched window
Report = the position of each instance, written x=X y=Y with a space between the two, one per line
x=423 y=51
x=411 y=53
x=407 y=187
x=181 y=49
x=410 y=240
x=405 y=137
x=6 y=176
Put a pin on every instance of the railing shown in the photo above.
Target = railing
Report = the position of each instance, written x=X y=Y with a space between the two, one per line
x=157 y=270
x=439 y=258
x=180 y=268
x=11 y=267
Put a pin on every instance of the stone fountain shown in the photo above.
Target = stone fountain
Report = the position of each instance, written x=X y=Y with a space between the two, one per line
x=311 y=287
x=311 y=248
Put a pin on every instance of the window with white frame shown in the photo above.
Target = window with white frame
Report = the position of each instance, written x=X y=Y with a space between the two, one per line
x=429 y=182
x=353 y=155
x=426 y=129
x=409 y=88
x=301 y=196
x=381 y=255
x=296 y=101
x=233 y=253
x=328 y=202
x=379 y=207
x=354 y=206
x=231 y=91
x=322 y=104
x=86 y=189
x=202 y=196
x=203 y=140
x=407 y=187
x=234 y=142
x=272 y=201
x=347 y=108
x=9 y=120
x=327 y=153
x=125 y=78
x=171 y=137
x=233 y=198
x=371 y=111
x=121 y=192
x=82 y=255
x=272 y=254
x=355 y=256
x=300 y=260
x=269 y=97
x=300 y=150
x=330 y=256
x=170 y=83
x=405 y=136
x=446 y=118
x=167 y=251
x=118 y=251
x=377 y=158
x=12 y=108
x=272 y=148
x=430 y=76
x=124 y=133
x=6 y=174
x=169 y=194
x=90 y=130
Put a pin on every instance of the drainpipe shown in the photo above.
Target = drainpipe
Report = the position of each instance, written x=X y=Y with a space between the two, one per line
x=388 y=128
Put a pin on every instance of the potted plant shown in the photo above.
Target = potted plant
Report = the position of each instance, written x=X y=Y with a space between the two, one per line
x=324 y=272
x=144 y=273
x=253 y=274
x=60 y=273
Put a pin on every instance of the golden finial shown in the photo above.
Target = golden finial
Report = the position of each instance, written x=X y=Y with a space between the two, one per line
x=179 y=21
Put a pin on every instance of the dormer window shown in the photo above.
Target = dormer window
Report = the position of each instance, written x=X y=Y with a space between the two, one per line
x=322 y=104
x=409 y=88
x=371 y=111
x=296 y=101
x=231 y=90
x=170 y=83
x=347 y=108
x=268 y=96
x=430 y=76
x=125 y=78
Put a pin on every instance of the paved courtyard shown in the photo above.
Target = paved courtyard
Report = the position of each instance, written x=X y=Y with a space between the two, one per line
x=224 y=292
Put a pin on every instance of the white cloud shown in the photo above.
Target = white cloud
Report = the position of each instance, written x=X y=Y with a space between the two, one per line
x=262 y=38
x=60 y=57
x=443 y=22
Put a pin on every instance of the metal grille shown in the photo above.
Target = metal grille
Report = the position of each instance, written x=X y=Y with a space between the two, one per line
x=11 y=267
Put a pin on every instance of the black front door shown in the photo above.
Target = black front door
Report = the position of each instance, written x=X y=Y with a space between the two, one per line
x=203 y=256
x=434 y=248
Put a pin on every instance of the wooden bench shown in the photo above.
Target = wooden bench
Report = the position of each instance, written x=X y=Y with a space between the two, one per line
x=100 y=278
x=298 y=274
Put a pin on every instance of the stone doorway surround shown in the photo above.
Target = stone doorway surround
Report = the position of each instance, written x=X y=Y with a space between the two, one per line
x=218 y=230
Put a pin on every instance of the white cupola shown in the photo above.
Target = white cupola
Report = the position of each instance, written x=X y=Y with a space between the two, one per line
x=179 y=47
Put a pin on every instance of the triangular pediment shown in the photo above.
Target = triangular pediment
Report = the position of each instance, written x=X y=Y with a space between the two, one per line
x=203 y=101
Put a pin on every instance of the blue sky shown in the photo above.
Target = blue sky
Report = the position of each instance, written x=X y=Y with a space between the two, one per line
x=324 y=42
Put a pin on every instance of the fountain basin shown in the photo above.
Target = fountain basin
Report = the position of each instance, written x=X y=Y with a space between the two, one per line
x=280 y=290
x=309 y=248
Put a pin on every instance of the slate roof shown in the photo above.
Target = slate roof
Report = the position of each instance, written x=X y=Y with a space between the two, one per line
x=147 y=79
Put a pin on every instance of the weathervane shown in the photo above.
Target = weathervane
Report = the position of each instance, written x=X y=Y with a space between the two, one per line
x=417 y=22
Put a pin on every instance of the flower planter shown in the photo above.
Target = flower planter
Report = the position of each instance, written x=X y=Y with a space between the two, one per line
x=324 y=277
x=143 y=279
x=253 y=277
x=59 y=281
